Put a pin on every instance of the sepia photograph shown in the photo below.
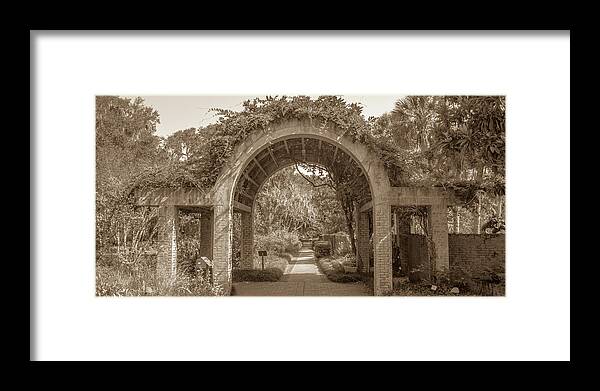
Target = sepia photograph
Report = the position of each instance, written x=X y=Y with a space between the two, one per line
x=325 y=195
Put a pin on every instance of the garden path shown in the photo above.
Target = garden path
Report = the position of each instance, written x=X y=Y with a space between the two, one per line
x=302 y=277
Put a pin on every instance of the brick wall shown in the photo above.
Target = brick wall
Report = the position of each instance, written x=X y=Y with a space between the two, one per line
x=247 y=242
x=470 y=255
x=166 y=259
x=363 y=235
x=476 y=254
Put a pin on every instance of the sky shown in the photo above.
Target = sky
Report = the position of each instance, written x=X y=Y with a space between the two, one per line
x=182 y=112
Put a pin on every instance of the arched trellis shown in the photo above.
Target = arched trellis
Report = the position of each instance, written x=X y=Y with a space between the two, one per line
x=287 y=151
x=259 y=141
x=250 y=158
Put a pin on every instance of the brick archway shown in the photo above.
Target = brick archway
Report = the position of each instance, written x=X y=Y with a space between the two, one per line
x=264 y=153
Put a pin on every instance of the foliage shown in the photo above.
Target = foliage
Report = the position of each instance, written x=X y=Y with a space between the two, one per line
x=125 y=147
x=270 y=274
x=426 y=140
x=348 y=260
x=340 y=242
x=332 y=267
x=140 y=280
x=489 y=280
x=347 y=191
x=273 y=261
x=403 y=287
x=125 y=135
x=494 y=225
x=452 y=141
x=203 y=152
x=188 y=252
x=322 y=248
x=279 y=241
x=285 y=203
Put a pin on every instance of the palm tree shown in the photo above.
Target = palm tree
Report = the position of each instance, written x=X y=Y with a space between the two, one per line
x=414 y=117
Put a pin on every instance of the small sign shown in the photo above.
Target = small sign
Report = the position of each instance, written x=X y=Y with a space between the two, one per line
x=206 y=261
x=262 y=253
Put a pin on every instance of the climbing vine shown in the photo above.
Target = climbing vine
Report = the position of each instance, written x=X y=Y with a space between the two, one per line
x=219 y=140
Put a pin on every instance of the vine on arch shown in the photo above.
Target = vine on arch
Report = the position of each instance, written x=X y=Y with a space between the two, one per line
x=219 y=140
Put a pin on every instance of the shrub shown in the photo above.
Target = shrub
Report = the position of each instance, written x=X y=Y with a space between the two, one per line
x=348 y=260
x=340 y=243
x=257 y=275
x=188 y=251
x=334 y=271
x=485 y=281
x=279 y=242
x=322 y=248
x=403 y=287
x=272 y=261
x=140 y=280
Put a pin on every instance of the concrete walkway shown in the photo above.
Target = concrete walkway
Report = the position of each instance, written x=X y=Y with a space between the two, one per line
x=302 y=277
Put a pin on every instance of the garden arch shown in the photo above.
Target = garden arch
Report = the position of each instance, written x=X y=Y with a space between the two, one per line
x=298 y=140
x=260 y=155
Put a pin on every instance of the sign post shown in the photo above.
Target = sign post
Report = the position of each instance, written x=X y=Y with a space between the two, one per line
x=204 y=264
x=262 y=255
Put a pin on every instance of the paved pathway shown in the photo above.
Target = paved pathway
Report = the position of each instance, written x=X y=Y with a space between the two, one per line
x=302 y=277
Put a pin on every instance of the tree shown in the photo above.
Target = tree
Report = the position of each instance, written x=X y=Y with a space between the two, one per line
x=414 y=119
x=346 y=191
x=457 y=141
x=288 y=202
x=125 y=146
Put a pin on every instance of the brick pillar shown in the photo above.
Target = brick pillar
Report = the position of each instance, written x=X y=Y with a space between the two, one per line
x=363 y=239
x=438 y=221
x=382 y=247
x=166 y=260
x=206 y=239
x=222 y=247
x=247 y=242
